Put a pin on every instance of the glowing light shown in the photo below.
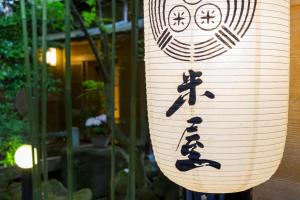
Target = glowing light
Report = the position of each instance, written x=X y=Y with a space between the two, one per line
x=51 y=56
x=23 y=156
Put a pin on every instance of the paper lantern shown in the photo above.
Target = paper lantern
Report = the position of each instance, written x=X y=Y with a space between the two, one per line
x=217 y=76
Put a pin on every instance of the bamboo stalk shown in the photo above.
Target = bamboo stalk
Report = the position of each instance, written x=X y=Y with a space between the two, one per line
x=133 y=94
x=28 y=76
x=35 y=145
x=44 y=101
x=68 y=99
x=112 y=104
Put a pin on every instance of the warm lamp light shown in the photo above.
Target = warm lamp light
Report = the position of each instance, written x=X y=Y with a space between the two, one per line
x=217 y=75
x=51 y=56
x=23 y=156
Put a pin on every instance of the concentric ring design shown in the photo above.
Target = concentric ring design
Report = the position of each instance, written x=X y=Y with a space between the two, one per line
x=192 y=2
x=234 y=26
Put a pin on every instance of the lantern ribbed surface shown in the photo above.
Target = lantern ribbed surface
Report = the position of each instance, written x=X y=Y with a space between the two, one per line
x=217 y=76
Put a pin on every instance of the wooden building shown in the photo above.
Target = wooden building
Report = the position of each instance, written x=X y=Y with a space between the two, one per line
x=84 y=65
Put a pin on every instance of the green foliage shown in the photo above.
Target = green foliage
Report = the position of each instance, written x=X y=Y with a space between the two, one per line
x=102 y=129
x=13 y=125
x=94 y=96
x=56 y=11
x=10 y=147
x=10 y=190
x=94 y=105
x=89 y=17
x=91 y=2
x=94 y=85
x=12 y=80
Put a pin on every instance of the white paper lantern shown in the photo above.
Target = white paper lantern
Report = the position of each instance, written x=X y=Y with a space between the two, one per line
x=217 y=75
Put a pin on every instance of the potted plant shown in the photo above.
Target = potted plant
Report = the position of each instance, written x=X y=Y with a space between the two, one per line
x=98 y=130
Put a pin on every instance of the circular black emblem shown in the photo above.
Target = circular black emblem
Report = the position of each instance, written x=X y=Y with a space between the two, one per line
x=179 y=18
x=222 y=28
x=208 y=17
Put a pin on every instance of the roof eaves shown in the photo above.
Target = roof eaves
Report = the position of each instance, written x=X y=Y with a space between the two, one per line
x=121 y=26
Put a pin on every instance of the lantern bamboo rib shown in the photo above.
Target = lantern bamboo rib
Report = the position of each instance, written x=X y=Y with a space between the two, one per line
x=112 y=105
x=36 y=138
x=68 y=99
x=28 y=75
x=44 y=102
x=133 y=93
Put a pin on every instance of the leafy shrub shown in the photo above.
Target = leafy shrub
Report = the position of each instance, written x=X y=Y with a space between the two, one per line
x=12 y=80
x=13 y=124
